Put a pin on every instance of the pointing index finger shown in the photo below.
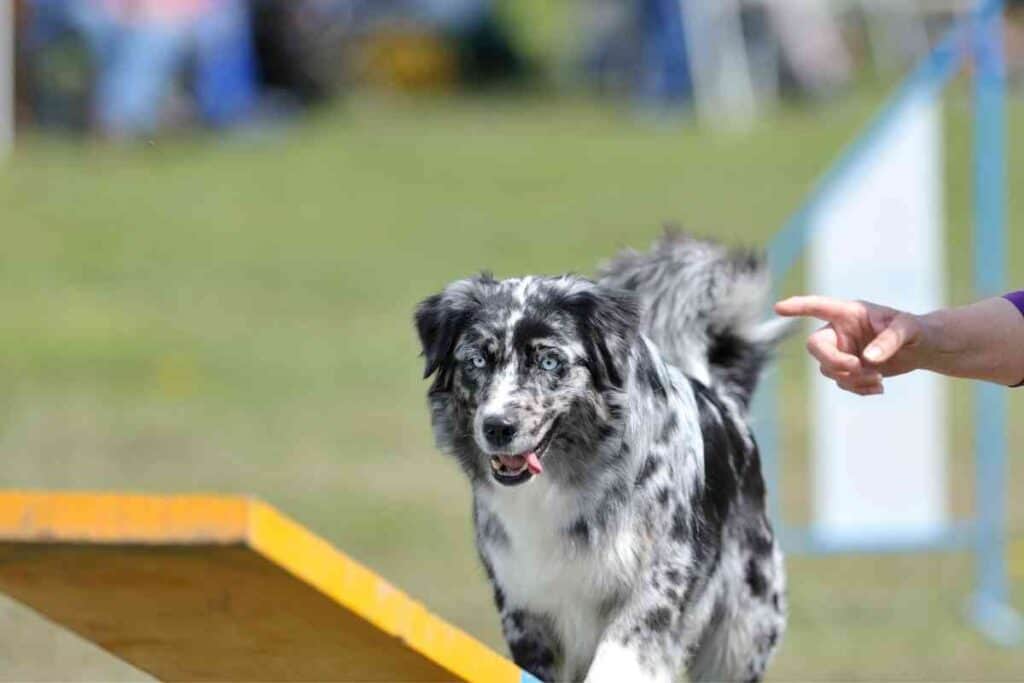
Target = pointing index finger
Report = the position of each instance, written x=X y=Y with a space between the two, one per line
x=820 y=307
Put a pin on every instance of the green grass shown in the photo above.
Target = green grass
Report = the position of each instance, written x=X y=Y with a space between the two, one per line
x=201 y=315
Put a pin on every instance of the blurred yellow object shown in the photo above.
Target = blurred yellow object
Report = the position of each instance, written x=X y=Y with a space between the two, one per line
x=222 y=588
x=408 y=59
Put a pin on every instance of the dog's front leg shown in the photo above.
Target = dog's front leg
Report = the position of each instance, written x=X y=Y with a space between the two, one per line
x=532 y=641
x=616 y=661
x=643 y=643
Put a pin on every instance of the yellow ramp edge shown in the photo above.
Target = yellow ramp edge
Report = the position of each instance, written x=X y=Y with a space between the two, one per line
x=51 y=540
x=122 y=518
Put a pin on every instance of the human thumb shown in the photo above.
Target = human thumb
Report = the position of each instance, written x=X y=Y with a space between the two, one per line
x=890 y=340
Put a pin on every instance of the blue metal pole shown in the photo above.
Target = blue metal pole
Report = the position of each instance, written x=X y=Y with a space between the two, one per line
x=990 y=609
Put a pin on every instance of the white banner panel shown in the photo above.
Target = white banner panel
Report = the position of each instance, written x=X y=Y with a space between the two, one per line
x=880 y=461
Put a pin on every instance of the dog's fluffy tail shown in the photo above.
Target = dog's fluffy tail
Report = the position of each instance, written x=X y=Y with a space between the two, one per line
x=702 y=305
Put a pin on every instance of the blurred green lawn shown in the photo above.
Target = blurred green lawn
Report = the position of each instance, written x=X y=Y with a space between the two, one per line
x=197 y=315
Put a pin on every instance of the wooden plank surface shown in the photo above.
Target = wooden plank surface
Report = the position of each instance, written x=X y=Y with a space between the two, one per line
x=204 y=613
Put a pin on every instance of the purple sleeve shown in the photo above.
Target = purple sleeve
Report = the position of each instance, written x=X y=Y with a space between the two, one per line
x=1017 y=299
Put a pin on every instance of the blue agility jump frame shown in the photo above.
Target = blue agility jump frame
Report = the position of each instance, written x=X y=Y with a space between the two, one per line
x=978 y=34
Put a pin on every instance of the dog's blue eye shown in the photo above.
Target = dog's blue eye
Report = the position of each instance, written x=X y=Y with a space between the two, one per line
x=477 y=361
x=549 y=363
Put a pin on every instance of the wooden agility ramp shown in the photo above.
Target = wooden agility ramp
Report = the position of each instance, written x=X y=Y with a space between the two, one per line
x=222 y=588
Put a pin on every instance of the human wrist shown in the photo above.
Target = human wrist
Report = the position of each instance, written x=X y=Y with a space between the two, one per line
x=939 y=341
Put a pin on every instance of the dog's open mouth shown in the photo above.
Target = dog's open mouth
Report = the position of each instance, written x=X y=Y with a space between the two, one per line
x=518 y=468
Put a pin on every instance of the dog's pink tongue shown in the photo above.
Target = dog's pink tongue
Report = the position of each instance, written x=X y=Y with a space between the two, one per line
x=533 y=462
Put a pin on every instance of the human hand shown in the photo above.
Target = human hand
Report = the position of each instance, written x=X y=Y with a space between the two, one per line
x=861 y=343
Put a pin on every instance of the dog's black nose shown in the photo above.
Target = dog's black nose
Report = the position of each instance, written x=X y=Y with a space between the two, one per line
x=499 y=431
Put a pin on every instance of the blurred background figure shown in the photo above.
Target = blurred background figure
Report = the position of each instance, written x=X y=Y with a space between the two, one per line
x=729 y=58
x=666 y=75
x=815 y=60
x=138 y=48
x=126 y=68
x=299 y=48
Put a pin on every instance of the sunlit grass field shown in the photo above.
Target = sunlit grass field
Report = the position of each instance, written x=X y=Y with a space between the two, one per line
x=210 y=315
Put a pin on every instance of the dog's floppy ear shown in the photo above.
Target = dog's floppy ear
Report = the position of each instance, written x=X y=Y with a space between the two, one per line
x=608 y=321
x=441 y=319
x=438 y=325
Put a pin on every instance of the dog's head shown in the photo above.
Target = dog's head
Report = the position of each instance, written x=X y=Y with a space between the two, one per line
x=526 y=370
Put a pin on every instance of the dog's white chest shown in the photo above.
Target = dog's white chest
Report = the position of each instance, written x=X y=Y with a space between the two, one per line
x=543 y=570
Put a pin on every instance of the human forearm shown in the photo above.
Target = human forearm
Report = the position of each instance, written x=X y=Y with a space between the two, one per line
x=983 y=341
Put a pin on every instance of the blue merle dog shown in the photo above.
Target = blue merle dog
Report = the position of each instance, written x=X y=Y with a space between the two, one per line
x=618 y=500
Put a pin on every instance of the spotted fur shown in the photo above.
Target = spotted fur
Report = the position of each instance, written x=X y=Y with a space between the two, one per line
x=643 y=550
